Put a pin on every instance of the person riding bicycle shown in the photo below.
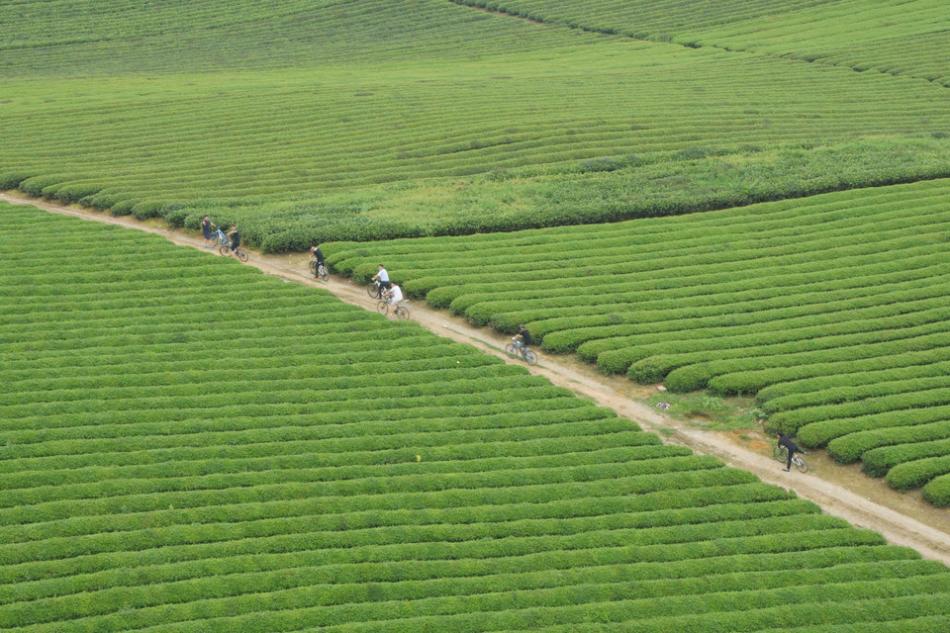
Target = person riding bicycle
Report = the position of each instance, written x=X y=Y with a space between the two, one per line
x=394 y=295
x=235 y=236
x=317 y=255
x=382 y=276
x=206 y=231
x=522 y=339
x=790 y=446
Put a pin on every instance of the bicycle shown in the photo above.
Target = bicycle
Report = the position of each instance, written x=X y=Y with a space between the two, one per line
x=225 y=249
x=319 y=271
x=516 y=351
x=400 y=311
x=780 y=454
x=218 y=240
x=373 y=289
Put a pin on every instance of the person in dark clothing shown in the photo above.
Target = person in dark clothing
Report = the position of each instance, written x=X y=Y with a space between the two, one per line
x=317 y=254
x=523 y=338
x=235 y=236
x=792 y=447
x=317 y=266
x=206 y=231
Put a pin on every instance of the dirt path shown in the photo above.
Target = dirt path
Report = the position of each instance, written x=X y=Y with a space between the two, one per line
x=930 y=536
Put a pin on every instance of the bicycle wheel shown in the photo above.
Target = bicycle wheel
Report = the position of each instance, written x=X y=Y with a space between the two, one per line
x=373 y=291
x=402 y=312
x=313 y=268
x=382 y=307
x=800 y=464
x=530 y=357
x=223 y=250
x=779 y=453
x=511 y=350
x=241 y=254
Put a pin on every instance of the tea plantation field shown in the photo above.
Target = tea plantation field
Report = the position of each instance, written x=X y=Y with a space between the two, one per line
x=366 y=120
x=833 y=309
x=189 y=445
x=901 y=38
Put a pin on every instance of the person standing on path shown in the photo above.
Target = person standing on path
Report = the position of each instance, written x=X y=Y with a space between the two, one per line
x=791 y=447
x=206 y=231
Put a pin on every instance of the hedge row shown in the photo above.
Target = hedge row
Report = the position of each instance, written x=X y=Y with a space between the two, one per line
x=937 y=491
x=851 y=447
x=879 y=461
x=200 y=463
x=914 y=474
x=828 y=322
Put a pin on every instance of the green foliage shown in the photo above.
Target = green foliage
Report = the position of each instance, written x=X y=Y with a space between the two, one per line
x=690 y=378
x=879 y=461
x=41 y=185
x=896 y=38
x=70 y=193
x=11 y=180
x=191 y=445
x=937 y=491
x=833 y=308
x=853 y=446
x=322 y=143
x=914 y=474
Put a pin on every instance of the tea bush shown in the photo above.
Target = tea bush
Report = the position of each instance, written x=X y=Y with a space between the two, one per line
x=832 y=309
x=416 y=107
x=188 y=444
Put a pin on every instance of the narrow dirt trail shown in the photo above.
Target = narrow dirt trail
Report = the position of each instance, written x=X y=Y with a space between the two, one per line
x=931 y=540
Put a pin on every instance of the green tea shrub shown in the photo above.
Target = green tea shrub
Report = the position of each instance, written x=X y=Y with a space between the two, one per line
x=122 y=208
x=105 y=199
x=605 y=163
x=854 y=446
x=879 y=461
x=12 y=180
x=35 y=185
x=146 y=210
x=689 y=378
x=917 y=473
x=70 y=193
x=176 y=215
x=652 y=369
x=937 y=491
x=841 y=331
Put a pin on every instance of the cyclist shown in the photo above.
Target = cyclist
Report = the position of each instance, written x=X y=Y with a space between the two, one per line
x=522 y=339
x=790 y=446
x=206 y=231
x=235 y=236
x=316 y=254
x=394 y=296
x=382 y=276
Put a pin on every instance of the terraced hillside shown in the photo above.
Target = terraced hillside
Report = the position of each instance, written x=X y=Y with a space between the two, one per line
x=901 y=38
x=833 y=309
x=367 y=119
x=188 y=445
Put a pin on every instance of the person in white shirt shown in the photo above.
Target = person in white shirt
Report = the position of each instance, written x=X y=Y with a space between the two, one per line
x=382 y=276
x=395 y=295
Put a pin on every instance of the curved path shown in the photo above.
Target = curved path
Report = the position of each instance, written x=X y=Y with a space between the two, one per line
x=932 y=542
